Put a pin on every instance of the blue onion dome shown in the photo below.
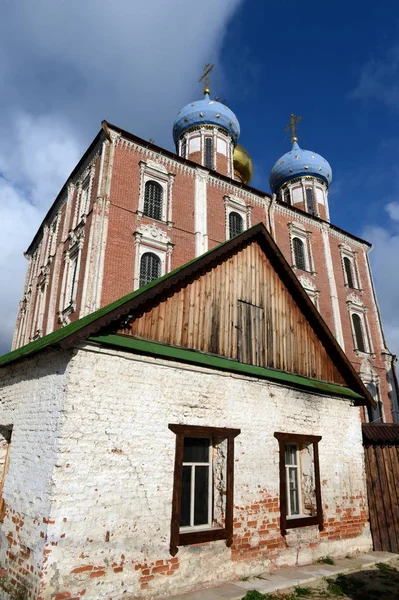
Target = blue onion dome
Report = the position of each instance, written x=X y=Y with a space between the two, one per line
x=206 y=112
x=299 y=163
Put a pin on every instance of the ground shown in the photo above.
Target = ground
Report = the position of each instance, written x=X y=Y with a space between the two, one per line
x=380 y=582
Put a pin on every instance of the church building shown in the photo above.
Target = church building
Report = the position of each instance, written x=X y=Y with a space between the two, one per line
x=191 y=365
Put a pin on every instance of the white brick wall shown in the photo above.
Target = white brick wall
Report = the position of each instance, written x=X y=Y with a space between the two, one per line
x=114 y=469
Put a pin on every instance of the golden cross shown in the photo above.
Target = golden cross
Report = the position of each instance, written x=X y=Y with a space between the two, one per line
x=294 y=120
x=205 y=77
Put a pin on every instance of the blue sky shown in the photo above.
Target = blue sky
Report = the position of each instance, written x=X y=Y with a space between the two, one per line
x=65 y=66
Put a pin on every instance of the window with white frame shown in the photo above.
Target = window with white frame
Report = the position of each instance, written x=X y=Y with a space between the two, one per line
x=358 y=332
x=349 y=267
x=300 y=492
x=300 y=240
x=150 y=268
x=155 y=196
x=310 y=289
x=152 y=241
x=84 y=197
x=241 y=216
x=70 y=280
x=153 y=199
x=287 y=196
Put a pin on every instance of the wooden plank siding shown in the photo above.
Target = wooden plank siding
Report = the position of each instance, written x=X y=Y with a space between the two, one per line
x=209 y=315
x=382 y=475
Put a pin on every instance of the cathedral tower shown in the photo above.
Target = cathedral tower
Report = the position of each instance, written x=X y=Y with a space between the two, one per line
x=206 y=131
x=301 y=178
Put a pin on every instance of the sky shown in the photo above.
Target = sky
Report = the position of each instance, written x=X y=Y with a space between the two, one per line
x=66 y=64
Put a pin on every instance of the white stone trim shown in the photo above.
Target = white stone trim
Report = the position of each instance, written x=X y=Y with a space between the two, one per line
x=333 y=286
x=237 y=205
x=347 y=252
x=297 y=230
x=311 y=290
x=200 y=212
x=150 y=238
x=357 y=307
x=154 y=171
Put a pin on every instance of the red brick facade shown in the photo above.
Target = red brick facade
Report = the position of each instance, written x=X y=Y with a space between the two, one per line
x=84 y=257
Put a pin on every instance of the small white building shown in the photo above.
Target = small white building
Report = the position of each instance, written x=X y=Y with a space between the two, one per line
x=202 y=428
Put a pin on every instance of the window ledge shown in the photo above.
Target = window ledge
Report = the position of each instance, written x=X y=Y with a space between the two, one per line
x=302 y=521
x=205 y=535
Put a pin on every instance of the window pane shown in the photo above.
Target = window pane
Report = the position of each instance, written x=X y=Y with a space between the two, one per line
x=150 y=268
x=196 y=450
x=236 y=224
x=185 y=497
x=201 y=495
x=290 y=454
x=299 y=253
x=348 y=271
x=358 y=328
x=208 y=153
x=153 y=194
x=310 y=201
x=293 y=490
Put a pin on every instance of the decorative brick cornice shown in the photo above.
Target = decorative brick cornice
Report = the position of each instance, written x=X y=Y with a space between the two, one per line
x=155 y=156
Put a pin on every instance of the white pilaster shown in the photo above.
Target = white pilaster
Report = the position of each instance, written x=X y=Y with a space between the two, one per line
x=333 y=287
x=200 y=212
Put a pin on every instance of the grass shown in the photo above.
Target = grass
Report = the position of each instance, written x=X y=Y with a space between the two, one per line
x=298 y=593
x=385 y=567
x=327 y=560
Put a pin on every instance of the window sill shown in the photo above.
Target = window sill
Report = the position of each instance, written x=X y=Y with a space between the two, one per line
x=205 y=535
x=302 y=521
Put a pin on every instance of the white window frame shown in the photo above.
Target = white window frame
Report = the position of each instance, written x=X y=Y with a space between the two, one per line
x=297 y=466
x=347 y=252
x=149 y=238
x=151 y=171
x=237 y=205
x=310 y=289
x=68 y=296
x=297 y=230
x=208 y=464
x=356 y=306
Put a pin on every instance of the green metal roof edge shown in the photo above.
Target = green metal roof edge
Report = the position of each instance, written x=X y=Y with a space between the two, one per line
x=60 y=334
x=224 y=364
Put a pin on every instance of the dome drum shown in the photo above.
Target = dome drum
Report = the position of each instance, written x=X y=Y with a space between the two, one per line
x=299 y=163
x=206 y=112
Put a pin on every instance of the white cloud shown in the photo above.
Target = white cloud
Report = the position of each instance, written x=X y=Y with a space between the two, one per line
x=379 y=80
x=65 y=66
x=384 y=263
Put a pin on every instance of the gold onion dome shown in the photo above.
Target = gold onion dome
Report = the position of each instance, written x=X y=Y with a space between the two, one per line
x=243 y=166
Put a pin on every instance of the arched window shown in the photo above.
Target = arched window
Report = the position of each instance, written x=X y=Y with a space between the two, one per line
x=349 y=272
x=208 y=153
x=150 y=268
x=310 y=201
x=287 y=196
x=236 y=224
x=358 y=331
x=153 y=194
x=299 y=253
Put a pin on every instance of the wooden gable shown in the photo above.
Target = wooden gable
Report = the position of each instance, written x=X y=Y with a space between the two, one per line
x=240 y=309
